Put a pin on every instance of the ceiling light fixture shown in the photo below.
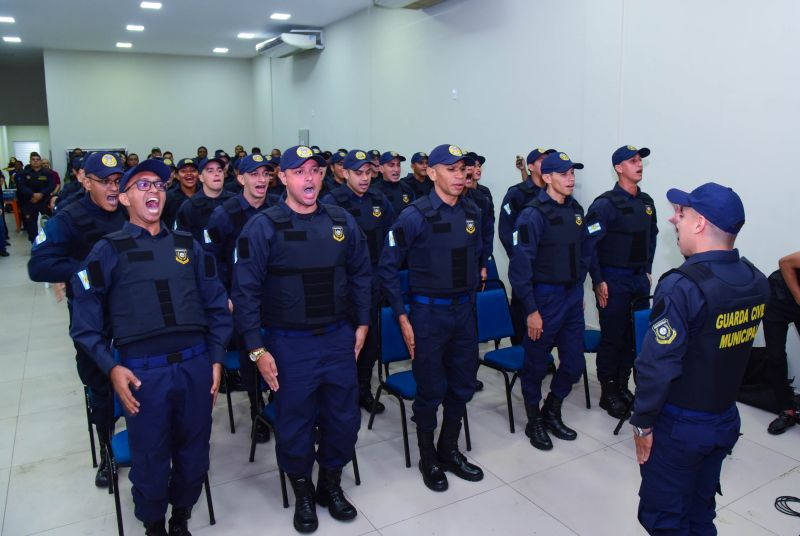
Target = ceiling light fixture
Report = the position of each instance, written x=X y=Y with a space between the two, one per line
x=9 y=20
x=134 y=28
x=124 y=45
x=150 y=5
x=11 y=39
x=246 y=35
x=220 y=50
x=280 y=16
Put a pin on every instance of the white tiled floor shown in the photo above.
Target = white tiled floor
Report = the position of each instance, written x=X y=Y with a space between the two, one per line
x=586 y=487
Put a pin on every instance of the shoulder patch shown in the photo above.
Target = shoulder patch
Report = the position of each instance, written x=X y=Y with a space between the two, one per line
x=41 y=237
x=664 y=332
x=84 y=278
x=594 y=228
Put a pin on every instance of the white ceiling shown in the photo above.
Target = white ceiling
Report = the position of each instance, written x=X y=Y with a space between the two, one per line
x=188 y=27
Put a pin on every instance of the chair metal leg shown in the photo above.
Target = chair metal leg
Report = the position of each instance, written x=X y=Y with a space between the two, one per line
x=508 y=401
x=253 y=440
x=212 y=520
x=90 y=427
x=466 y=432
x=405 y=431
x=624 y=417
x=374 y=407
x=356 y=474
x=228 y=396
x=586 y=386
x=114 y=487
x=284 y=493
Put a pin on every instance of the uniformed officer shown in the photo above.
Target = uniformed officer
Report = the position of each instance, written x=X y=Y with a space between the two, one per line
x=73 y=189
x=705 y=316
x=374 y=215
x=783 y=308
x=477 y=194
x=34 y=186
x=56 y=256
x=224 y=226
x=439 y=236
x=399 y=193
x=622 y=229
x=418 y=178
x=194 y=212
x=375 y=164
x=303 y=272
x=337 y=178
x=169 y=322
x=187 y=187
x=546 y=272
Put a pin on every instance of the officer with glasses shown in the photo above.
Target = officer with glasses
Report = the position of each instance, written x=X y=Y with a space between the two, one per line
x=156 y=296
x=57 y=254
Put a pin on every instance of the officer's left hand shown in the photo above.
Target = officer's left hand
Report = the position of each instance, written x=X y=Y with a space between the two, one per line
x=216 y=377
x=643 y=446
x=484 y=276
x=59 y=291
x=361 y=335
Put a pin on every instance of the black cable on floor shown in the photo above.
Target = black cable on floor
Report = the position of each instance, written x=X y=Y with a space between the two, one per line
x=782 y=505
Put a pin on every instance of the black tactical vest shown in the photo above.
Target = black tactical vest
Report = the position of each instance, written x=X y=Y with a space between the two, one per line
x=307 y=269
x=443 y=260
x=528 y=192
x=399 y=194
x=371 y=218
x=90 y=229
x=716 y=356
x=627 y=240
x=195 y=220
x=154 y=291
x=558 y=256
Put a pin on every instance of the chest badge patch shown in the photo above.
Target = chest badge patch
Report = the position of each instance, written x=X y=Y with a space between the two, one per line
x=376 y=211
x=406 y=199
x=648 y=210
x=665 y=334
x=182 y=256
x=470 y=226
x=578 y=219
x=338 y=233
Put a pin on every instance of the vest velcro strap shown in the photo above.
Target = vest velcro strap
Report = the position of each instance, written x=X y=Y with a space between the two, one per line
x=140 y=256
x=165 y=301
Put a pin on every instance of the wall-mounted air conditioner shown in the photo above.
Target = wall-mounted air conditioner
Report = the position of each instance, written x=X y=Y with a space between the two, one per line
x=290 y=43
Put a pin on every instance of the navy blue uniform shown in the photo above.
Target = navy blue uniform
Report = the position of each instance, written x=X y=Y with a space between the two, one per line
x=486 y=206
x=56 y=256
x=442 y=245
x=72 y=191
x=421 y=189
x=546 y=272
x=195 y=212
x=175 y=198
x=704 y=319
x=303 y=277
x=374 y=215
x=399 y=193
x=782 y=310
x=622 y=230
x=169 y=321
x=30 y=182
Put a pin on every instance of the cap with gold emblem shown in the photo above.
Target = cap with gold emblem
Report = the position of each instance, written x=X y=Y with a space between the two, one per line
x=102 y=164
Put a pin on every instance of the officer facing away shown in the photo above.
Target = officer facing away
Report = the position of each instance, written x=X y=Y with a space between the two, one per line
x=56 y=256
x=170 y=323
x=302 y=273
x=439 y=236
x=704 y=319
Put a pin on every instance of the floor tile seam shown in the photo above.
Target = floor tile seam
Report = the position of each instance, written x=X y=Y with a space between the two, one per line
x=546 y=469
x=530 y=500
x=759 y=525
x=5 y=504
x=751 y=440
x=765 y=484
x=80 y=404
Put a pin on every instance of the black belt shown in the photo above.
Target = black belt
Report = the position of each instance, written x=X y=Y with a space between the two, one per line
x=162 y=360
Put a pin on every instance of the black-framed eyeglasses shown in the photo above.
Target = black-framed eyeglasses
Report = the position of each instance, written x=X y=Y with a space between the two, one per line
x=144 y=185
x=106 y=182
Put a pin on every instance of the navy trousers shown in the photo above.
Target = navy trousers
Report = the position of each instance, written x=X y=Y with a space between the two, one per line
x=169 y=438
x=445 y=357
x=681 y=478
x=562 y=327
x=317 y=389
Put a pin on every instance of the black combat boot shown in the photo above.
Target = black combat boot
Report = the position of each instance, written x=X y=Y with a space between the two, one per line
x=535 y=429
x=155 y=528
x=610 y=399
x=450 y=459
x=367 y=401
x=305 y=511
x=432 y=473
x=551 y=413
x=330 y=494
x=261 y=432
x=624 y=393
x=103 y=477
x=179 y=521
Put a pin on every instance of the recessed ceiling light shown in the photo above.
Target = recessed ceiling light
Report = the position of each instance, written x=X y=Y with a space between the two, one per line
x=134 y=28
x=246 y=35
x=12 y=39
x=150 y=5
x=280 y=16
x=9 y=20
x=220 y=50
x=124 y=45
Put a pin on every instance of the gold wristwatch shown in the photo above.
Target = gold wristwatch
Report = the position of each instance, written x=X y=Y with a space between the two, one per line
x=256 y=354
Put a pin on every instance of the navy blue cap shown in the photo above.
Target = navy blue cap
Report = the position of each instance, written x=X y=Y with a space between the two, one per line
x=558 y=163
x=201 y=165
x=626 y=152
x=296 y=156
x=416 y=157
x=183 y=162
x=102 y=164
x=219 y=153
x=374 y=153
x=77 y=163
x=252 y=162
x=315 y=149
x=338 y=156
x=151 y=164
x=718 y=204
x=534 y=155
x=476 y=157
x=446 y=154
x=169 y=162
x=388 y=156
x=355 y=159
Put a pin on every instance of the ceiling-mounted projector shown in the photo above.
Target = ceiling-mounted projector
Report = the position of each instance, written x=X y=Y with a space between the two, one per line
x=290 y=43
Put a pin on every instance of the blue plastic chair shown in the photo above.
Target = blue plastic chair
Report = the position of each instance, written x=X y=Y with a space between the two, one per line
x=492 y=275
x=400 y=385
x=641 y=323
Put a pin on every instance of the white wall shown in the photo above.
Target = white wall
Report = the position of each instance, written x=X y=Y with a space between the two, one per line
x=708 y=86
x=138 y=101
x=40 y=133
